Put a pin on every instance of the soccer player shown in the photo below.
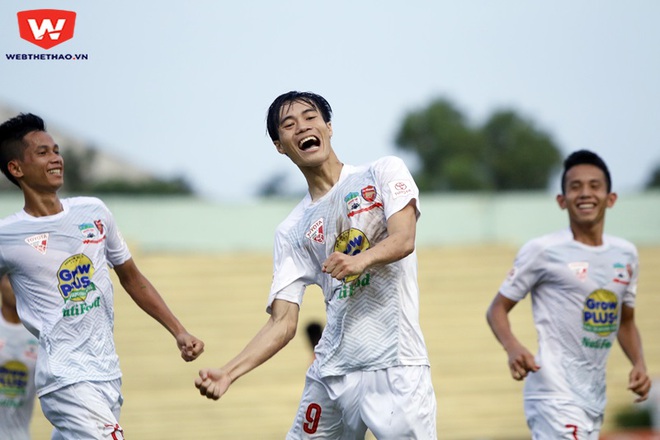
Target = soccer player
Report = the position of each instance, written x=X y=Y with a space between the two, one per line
x=583 y=287
x=354 y=236
x=58 y=253
x=18 y=359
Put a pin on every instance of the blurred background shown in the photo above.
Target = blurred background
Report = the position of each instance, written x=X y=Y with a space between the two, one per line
x=162 y=114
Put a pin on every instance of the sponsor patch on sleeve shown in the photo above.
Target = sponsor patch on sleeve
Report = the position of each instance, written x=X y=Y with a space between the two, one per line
x=401 y=188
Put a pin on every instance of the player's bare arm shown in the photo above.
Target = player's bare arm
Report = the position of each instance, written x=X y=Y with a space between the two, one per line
x=400 y=242
x=148 y=299
x=630 y=340
x=521 y=361
x=273 y=336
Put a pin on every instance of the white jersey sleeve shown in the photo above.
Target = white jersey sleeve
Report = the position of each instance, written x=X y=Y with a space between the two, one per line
x=291 y=272
x=398 y=185
x=525 y=273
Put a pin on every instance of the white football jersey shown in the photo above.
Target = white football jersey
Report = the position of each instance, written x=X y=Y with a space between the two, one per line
x=577 y=292
x=59 y=268
x=18 y=358
x=372 y=319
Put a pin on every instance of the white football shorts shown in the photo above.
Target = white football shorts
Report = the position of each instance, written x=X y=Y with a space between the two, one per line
x=85 y=410
x=558 y=420
x=394 y=403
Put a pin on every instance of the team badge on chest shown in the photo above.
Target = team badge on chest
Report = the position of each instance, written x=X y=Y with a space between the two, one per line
x=39 y=242
x=315 y=232
x=92 y=232
x=580 y=269
x=622 y=274
x=352 y=200
x=369 y=193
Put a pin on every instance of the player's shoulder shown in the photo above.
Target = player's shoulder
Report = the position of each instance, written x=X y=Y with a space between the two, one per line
x=387 y=162
x=294 y=217
x=7 y=222
x=546 y=241
x=620 y=242
x=84 y=202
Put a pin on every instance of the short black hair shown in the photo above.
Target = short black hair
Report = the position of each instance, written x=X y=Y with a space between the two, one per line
x=12 y=133
x=585 y=157
x=273 y=118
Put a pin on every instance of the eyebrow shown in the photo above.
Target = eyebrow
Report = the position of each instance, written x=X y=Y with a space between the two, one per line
x=574 y=181
x=38 y=147
x=307 y=110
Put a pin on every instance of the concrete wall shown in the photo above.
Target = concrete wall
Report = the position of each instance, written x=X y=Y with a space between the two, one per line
x=187 y=224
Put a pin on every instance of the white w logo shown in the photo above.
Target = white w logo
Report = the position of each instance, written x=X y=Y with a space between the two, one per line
x=46 y=26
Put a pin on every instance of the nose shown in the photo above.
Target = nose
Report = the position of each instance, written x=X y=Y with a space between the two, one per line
x=303 y=127
x=585 y=191
x=56 y=158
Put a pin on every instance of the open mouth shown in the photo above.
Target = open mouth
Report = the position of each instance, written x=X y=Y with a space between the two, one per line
x=586 y=205
x=309 y=142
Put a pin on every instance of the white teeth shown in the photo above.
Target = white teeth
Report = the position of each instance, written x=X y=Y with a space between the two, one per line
x=308 y=138
x=57 y=171
x=586 y=205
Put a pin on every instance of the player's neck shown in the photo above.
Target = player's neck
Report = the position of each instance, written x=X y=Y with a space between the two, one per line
x=591 y=235
x=42 y=205
x=321 y=179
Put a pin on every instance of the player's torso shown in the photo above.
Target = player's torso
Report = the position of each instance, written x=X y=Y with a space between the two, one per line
x=58 y=266
x=363 y=312
x=577 y=308
x=18 y=357
x=582 y=289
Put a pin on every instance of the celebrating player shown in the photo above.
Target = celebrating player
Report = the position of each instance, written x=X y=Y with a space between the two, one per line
x=583 y=286
x=354 y=236
x=58 y=253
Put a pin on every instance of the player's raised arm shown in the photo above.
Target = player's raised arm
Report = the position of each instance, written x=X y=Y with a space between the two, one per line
x=273 y=336
x=147 y=297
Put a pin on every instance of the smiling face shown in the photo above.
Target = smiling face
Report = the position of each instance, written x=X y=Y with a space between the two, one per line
x=586 y=196
x=304 y=136
x=41 y=167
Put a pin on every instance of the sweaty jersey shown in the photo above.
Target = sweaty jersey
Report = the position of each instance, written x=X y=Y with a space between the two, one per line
x=577 y=292
x=18 y=357
x=373 y=318
x=59 y=268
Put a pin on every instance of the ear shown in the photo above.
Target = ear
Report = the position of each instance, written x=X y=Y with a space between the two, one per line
x=15 y=169
x=561 y=201
x=611 y=199
x=329 y=124
x=278 y=146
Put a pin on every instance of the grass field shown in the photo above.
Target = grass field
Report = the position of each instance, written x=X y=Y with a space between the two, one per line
x=221 y=299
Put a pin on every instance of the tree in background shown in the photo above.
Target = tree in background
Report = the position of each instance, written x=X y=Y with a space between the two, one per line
x=451 y=154
x=507 y=153
x=519 y=156
x=79 y=180
x=653 y=181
